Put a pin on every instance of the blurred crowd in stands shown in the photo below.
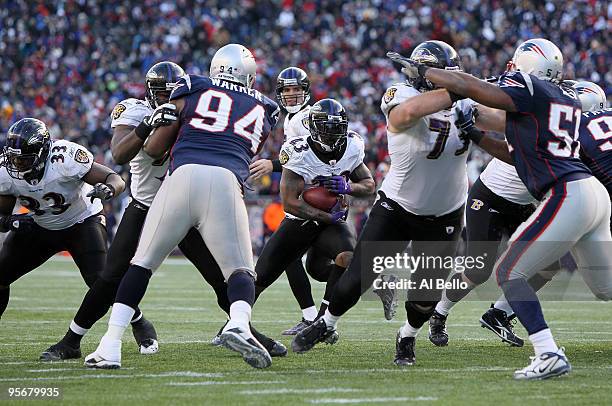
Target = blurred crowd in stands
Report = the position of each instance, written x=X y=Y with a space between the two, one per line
x=68 y=62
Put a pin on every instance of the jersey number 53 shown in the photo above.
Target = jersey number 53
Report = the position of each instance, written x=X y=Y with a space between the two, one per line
x=215 y=108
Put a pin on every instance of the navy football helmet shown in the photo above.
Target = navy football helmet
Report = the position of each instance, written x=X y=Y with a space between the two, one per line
x=292 y=76
x=26 y=149
x=437 y=54
x=328 y=124
x=160 y=79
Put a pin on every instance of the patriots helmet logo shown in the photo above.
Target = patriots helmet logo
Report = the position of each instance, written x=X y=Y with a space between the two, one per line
x=583 y=90
x=532 y=47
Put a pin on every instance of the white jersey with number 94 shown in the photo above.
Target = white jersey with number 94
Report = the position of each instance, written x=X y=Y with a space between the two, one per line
x=428 y=160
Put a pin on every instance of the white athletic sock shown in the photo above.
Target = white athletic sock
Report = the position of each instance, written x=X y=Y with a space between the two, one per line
x=76 y=329
x=543 y=342
x=502 y=304
x=309 y=313
x=444 y=305
x=119 y=320
x=408 y=331
x=330 y=319
x=240 y=314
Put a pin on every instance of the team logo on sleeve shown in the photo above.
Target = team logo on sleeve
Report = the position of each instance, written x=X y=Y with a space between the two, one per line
x=283 y=157
x=389 y=94
x=120 y=108
x=509 y=82
x=81 y=156
x=306 y=123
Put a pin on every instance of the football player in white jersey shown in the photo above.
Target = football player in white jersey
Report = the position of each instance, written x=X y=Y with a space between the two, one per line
x=132 y=121
x=330 y=156
x=293 y=95
x=58 y=182
x=421 y=199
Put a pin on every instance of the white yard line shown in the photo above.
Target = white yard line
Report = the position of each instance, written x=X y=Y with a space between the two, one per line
x=207 y=383
x=113 y=375
x=372 y=400
x=285 y=391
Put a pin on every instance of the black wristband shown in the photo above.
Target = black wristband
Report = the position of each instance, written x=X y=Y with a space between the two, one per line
x=454 y=96
x=112 y=188
x=475 y=135
x=4 y=224
x=143 y=130
x=276 y=165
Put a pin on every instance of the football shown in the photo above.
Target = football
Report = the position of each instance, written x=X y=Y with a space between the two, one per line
x=320 y=198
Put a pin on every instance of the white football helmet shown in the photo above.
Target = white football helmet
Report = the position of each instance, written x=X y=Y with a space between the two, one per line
x=235 y=63
x=538 y=57
x=592 y=97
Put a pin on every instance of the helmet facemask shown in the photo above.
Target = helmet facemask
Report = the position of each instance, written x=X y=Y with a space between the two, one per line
x=292 y=97
x=329 y=133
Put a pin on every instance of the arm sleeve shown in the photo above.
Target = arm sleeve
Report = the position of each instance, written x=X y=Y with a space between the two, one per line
x=276 y=165
x=519 y=87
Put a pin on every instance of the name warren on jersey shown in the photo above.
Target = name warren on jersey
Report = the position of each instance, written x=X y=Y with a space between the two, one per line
x=428 y=160
x=222 y=124
x=297 y=156
x=147 y=173
x=59 y=199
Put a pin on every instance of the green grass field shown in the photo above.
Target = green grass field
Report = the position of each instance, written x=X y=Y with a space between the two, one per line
x=474 y=369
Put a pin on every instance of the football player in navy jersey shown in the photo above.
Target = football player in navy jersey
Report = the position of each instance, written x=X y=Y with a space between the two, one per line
x=595 y=132
x=222 y=123
x=541 y=122
x=595 y=151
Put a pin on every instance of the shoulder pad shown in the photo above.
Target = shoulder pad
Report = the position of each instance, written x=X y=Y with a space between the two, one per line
x=396 y=94
x=129 y=112
x=293 y=149
x=189 y=84
x=75 y=160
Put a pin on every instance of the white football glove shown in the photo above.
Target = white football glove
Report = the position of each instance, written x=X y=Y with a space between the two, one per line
x=163 y=115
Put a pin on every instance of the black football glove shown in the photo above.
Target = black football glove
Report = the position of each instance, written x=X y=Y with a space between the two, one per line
x=466 y=124
x=17 y=223
x=101 y=191
x=161 y=116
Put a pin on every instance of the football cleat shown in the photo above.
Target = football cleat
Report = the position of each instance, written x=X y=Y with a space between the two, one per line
x=437 y=329
x=145 y=336
x=547 y=365
x=216 y=340
x=274 y=348
x=388 y=297
x=404 y=350
x=242 y=341
x=60 y=351
x=317 y=332
x=106 y=356
x=498 y=322
x=297 y=328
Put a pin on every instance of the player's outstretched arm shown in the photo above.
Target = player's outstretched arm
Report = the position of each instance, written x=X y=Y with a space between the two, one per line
x=471 y=87
x=163 y=137
x=125 y=144
x=103 y=178
x=407 y=113
x=291 y=187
